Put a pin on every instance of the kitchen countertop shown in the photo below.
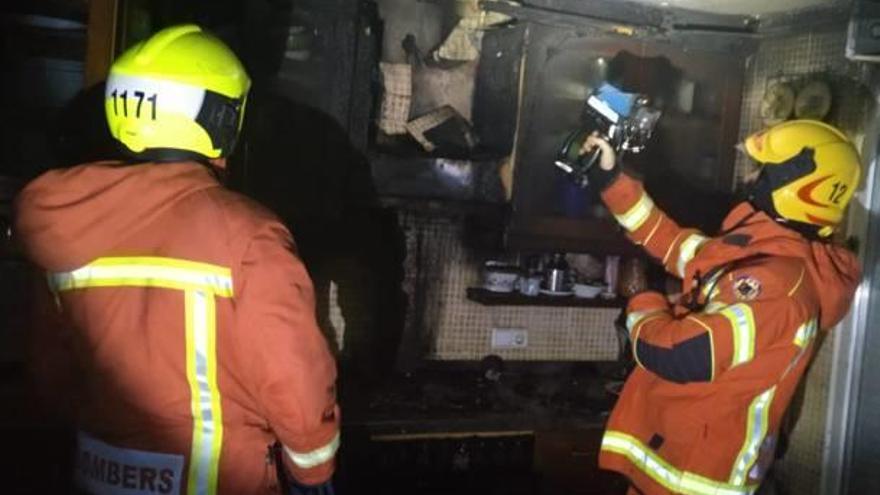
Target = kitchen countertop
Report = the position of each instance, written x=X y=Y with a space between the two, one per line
x=474 y=423
x=467 y=402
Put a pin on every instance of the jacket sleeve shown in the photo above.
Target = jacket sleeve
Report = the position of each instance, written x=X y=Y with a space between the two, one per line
x=286 y=360
x=696 y=347
x=51 y=365
x=648 y=226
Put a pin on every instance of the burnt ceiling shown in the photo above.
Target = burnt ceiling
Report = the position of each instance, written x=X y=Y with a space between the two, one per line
x=745 y=7
x=747 y=18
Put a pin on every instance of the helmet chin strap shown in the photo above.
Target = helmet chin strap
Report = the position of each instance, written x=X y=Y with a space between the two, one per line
x=760 y=196
x=760 y=192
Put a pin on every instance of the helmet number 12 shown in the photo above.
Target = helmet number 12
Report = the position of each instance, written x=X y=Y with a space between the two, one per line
x=140 y=96
x=837 y=192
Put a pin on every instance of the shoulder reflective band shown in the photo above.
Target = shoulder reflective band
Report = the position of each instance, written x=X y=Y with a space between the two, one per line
x=664 y=473
x=756 y=430
x=201 y=283
x=316 y=457
x=742 y=325
x=146 y=271
x=636 y=216
x=688 y=250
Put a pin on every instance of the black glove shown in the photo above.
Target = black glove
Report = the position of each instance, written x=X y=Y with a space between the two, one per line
x=600 y=178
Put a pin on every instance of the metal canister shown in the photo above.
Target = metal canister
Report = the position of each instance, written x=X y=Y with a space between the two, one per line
x=556 y=275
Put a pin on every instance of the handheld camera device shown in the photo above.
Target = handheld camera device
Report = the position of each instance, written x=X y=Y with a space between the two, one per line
x=625 y=120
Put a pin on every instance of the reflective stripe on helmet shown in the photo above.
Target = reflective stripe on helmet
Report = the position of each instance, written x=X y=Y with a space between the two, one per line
x=201 y=283
x=664 y=473
x=145 y=113
x=171 y=96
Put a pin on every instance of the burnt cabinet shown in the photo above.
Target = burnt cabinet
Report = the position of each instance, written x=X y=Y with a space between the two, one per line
x=567 y=461
x=689 y=162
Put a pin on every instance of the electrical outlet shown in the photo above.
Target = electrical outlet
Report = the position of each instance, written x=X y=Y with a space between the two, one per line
x=510 y=338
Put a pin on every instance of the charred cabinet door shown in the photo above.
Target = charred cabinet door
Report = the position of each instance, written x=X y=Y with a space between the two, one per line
x=690 y=160
x=330 y=52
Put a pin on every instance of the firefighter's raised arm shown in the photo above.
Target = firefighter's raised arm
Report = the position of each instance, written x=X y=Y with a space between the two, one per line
x=645 y=223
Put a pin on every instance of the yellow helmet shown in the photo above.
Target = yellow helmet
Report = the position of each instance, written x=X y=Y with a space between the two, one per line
x=809 y=172
x=179 y=94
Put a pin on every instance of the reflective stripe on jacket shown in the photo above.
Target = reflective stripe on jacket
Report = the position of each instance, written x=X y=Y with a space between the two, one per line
x=191 y=322
x=700 y=414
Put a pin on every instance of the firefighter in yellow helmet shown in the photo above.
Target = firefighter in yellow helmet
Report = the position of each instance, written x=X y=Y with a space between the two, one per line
x=182 y=309
x=809 y=171
x=716 y=370
x=179 y=94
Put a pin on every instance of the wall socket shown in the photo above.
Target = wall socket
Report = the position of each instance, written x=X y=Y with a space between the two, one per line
x=510 y=338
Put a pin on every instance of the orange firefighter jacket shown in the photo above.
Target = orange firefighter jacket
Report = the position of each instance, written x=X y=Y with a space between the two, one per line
x=188 y=324
x=700 y=414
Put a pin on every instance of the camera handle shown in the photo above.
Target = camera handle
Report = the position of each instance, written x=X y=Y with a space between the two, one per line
x=588 y=161
x=572 y=162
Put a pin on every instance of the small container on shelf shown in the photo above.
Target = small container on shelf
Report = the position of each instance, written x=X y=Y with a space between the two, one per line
x=530 y=284
x=587 y=274
x=588 y=291
x=530 y=279
x=612 y=270
x=557 y=276
x=541 y=281
x=500 y=277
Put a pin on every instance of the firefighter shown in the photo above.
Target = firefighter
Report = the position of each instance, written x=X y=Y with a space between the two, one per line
x=182 y=309
x=715 y=372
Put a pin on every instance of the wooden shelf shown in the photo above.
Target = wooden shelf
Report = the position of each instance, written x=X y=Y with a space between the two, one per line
x=466 y=180
x=489 y=298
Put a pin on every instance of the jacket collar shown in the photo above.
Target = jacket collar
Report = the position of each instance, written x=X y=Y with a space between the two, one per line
x=747 y=232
